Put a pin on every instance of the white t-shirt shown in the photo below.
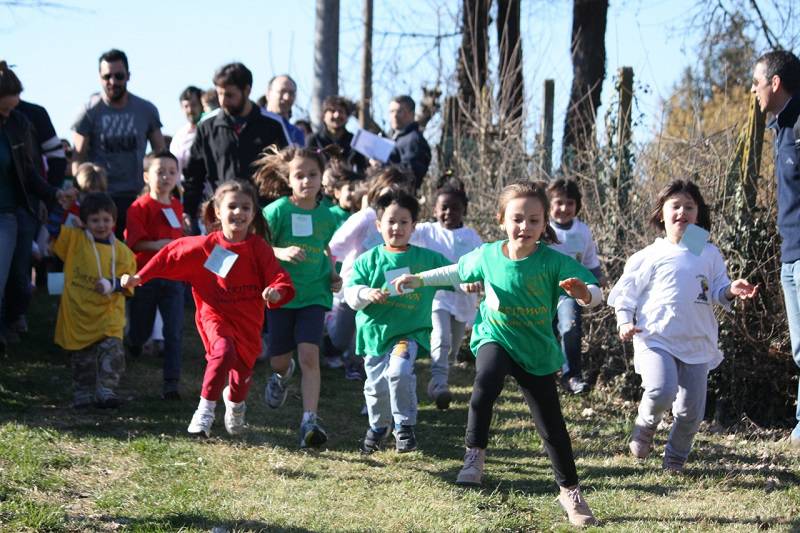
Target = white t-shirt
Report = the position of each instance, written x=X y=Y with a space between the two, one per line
x=452 y=244
x=181 y=144
x=670 y=292
x=577 y=242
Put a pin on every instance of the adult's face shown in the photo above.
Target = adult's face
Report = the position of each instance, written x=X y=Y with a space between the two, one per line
x=335 y=117
x=400 y=116
x=232 y=99
x=281 y=96
x=192 y=108
x=7 y=104
x=114 y=79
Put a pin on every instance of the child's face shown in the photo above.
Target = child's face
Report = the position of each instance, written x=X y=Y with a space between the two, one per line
x=396 y=226
x=344 y=195
x=449 y=211
x=562 y=208
x=524 y=221
x=328 y=184
x=162 y=177
x=678 y=212
x=235 y=213
x=100 y=224
x=304 y=178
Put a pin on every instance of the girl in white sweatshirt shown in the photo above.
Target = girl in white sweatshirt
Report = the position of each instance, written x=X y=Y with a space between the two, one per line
x=663 y=301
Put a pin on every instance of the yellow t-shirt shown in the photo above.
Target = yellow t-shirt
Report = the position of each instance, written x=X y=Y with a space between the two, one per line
x=86 y=316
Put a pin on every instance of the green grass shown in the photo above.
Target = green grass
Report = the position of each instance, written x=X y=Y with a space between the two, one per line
x=136 y=469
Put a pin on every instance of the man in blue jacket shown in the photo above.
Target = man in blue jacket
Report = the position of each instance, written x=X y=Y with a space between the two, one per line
x=411 y=150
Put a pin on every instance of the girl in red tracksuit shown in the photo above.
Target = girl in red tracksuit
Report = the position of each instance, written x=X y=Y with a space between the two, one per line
x=233 y=273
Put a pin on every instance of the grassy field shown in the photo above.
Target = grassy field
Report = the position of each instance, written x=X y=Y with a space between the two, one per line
x=135 y=469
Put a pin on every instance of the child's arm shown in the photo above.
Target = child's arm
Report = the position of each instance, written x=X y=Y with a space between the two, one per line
x=279 y=288
x=290 y=254
x=360 y=296
x=438 y=277
x=586 y=295
x=742 y=289
x=336 y=279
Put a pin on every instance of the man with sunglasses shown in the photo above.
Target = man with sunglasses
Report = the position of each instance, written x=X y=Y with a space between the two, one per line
x=112 y=131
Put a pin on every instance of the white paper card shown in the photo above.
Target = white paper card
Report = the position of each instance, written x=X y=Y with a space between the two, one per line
x=492 y=301
x=302 y=225
x=72 y=221
x=220 y=261
x=391 y=275
x=371 y=145
x=55 y=282
x=695 y=239
x=172 y=218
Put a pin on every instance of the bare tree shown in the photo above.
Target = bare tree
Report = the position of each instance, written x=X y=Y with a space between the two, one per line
x=326 y=57
x=510 y=99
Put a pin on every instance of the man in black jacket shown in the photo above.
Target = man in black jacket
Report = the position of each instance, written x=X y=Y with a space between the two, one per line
x=228 y=140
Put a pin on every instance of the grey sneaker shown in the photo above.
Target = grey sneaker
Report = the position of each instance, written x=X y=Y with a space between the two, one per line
x=201 y=423
x=312 y=434
x=472 y=471
x=234 y=415
x=577 y=509
x=641 y=443
x=276 y=391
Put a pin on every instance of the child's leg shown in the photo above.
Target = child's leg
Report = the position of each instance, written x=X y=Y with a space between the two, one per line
x=457 y=330
x=569 y=331
x=342 y=328
x=403 y=383
x=492 y=365
x=239 y=379
x=308 y=327
x=376 y=392
x=110 y=366
x=659 y=373
x=142 y=312
x=688 y=410
x=440 y=349
x=170 y=303
x=220 y=359
x=84 y=376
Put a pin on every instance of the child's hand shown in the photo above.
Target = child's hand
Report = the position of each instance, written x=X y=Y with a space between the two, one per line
x=271 y=295
x=187 y=223
x=66 y=197
x=406 y=281
x=742 y=289
x=336 y=282
x=627 y=331
x=292 y=254
x=128 y=282
x=472 y=288
x=576 y=289
x=103 y=286
x=378 y=296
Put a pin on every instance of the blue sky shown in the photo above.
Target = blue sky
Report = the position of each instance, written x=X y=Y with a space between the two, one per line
x=173 y=44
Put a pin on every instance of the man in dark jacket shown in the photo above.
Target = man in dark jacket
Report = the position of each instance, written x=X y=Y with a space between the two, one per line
x=228 y=140
x=411 y=150
x=335 y=112
x=776 y=84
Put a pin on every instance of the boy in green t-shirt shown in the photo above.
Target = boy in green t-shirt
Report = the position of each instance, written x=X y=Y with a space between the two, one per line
x=391 y=329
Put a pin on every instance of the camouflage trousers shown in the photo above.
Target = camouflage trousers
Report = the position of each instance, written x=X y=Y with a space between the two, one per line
x=96 y=370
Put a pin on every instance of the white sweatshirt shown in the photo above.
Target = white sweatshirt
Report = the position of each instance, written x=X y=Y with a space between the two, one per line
x=670 y=291
x=357 y=235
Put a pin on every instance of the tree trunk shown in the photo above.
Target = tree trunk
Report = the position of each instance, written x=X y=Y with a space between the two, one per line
x=472 y=70
x=588 y=71
x=364 y=111
x=511 y=95
x=326 y=57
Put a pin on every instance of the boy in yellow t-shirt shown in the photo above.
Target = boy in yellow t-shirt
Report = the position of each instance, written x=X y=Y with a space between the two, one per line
x=91 y=315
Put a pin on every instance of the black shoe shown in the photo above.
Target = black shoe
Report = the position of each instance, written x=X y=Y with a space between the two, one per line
x=108 y=403
x=171 y=395
x=373 y=441
x=405 y=440
x=134 y=351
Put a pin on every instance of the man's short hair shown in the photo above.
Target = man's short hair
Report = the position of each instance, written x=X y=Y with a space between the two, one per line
x=234 y=74
x=273 y=78
x=336 y=101
x=190 y=91
x=785 y=65
x=114 y=55
x=406 y=101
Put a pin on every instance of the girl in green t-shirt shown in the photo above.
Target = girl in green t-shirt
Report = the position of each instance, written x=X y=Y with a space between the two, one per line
x=301 y=228
x=523 y=279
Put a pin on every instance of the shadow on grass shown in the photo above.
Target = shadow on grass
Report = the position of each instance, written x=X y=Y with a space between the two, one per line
x=181 y=521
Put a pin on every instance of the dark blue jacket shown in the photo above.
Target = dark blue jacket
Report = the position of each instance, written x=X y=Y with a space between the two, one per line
x=412 y=152
x=787 y=171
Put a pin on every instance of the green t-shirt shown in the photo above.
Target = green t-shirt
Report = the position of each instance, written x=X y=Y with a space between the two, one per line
x=406 y=316
x=520 y=303
x=326 y=201
x=339 y=214
x=309 y=229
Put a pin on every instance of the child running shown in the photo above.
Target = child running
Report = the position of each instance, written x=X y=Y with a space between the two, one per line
x=452 y=311
x=663 y=301
x=91 y=315
x=154 y=220
x=233 y=272
x=513 y=334
x=301 y=228
x=392 y=329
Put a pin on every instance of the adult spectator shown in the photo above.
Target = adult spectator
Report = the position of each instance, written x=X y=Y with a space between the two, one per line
x=335 y=113
x=411 y=150
x=280 y=96
x=209 y=101
x=776 y=84
x=228 y=142
x=21 y=186
x=112 y=131
x=192 y=109
x=52 y=161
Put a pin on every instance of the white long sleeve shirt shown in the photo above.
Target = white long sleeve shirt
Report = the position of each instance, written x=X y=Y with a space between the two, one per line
x=357 y=235
x=669 y=292
x=577 y=242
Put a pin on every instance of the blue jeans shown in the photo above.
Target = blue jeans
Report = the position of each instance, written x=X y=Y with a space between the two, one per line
x=168 y=297
x=568 y=327
x=390 y=389
x=790 y=281
x=18 y=286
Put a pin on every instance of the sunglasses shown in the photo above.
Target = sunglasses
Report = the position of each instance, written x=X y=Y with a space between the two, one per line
x=119 y=76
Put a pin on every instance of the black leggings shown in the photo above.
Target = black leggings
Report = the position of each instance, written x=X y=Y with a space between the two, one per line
x=492 y=365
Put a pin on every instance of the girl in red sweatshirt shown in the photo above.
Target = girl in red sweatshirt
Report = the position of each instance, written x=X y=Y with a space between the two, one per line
x=233 y=273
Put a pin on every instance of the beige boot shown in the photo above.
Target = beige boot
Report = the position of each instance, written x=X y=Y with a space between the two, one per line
x=576 y=507
x=472 y=471
x=641 y=443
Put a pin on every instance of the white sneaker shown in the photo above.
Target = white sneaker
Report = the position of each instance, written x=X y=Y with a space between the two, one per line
x=201 y=423
x=234 y=415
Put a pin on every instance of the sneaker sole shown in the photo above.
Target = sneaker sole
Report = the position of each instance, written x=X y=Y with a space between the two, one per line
x=314 y=439
x=200 y=434
x=468 y=483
